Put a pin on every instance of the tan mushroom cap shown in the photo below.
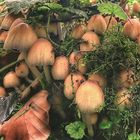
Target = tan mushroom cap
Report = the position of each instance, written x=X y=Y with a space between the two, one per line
x=132 y=28
x=97 y=23
x=89 y=97
x=16 y=22
x=126 y=78
x=60 y=68
x=11 y=80
x=74 y=57
x=122 y=99
x=71 y=84
x=40 y=31
x=41 y=53
x=2 y=92
x=3 y=36
x=111 y=21
x=78 y=31
x=99 y=78
x=7 y=22
x=21 y=37
x=136 y=7
x=22 y=70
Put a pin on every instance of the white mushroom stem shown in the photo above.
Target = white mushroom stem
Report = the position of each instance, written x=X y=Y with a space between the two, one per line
x=26 y=92
x=59 y=31
x=88 y=124
x=47 y=74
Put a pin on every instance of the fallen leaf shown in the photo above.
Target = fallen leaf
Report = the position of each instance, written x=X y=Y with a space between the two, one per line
x=30 y=122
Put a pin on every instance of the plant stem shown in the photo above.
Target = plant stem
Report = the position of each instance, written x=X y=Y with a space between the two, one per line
x=47 y=74
x=9 y=65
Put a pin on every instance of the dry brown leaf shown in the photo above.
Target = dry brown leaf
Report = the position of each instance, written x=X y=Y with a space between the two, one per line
x=31 y=122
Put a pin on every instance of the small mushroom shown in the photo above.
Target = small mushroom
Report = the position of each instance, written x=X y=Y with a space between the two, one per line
x=3 y=36
x=42 y=54
x=72 y=83
x=74 y=57
x=2 y=91
x=11 y=81
x=97 y=23
x=110 y=21
x=123 y=99
x=132 y=28
x=99 y=78
x=78 y=31
x=60 y=68
x=7 y=22
x=16 y=22
x=126 y=78
x=136 y=7
x=22 y=71
x=89 y=99
x=91 y=39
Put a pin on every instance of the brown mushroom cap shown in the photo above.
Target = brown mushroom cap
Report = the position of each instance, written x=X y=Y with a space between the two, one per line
x=41 y=53
x=97 y=23
x=98 y=78
x=78 y=31
x=16 y=22
x=89 y=97
x=2 y=92
x=91 y=39
x=7 y=22
x=71 y=84
x=3 y=36
x=136 y=7
x=122 y=99
x=132 y=28
x=22 y=70
x=126 y=78
x=21 y=37
x=111 y=21
x=11 y=80
x=74 y=57
x=60 y=68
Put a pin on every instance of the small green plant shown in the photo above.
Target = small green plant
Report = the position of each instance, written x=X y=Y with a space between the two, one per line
x=133 y=136
x=76 y=130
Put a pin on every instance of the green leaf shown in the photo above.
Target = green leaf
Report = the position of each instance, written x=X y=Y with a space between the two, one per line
x=105 y=124
x=133 y=136
x=76 y=130
x=112 y=9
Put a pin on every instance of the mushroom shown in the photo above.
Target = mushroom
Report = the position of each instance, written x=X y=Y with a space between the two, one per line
x=89 y=99
x=131 y=28
x=7 y=22
x=110 y=21
x=74 y=57
x=136 y=7
x=91 y=40
x=3 y=36
x=22 y=71
x=42 y=54
x=72 y=83
x=78 y=31
x=60 y=68
x=22 y=37
x=126 y=78
x=11 y=81
x=122 y=99
x=2 y=91
x=16 y=22
x=82 y=66
x=97 y=23
x=99 y=78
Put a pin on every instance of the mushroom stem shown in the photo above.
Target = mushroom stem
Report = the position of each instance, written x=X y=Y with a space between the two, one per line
x=47 y=74
x=34 y=70
x=26 y=92
x=9 y=65
x=88 y=124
